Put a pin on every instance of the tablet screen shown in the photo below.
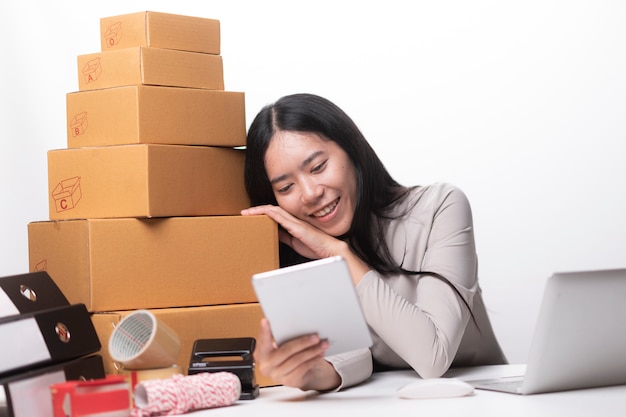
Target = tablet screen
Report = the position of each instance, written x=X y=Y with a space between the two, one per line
x=313 y=297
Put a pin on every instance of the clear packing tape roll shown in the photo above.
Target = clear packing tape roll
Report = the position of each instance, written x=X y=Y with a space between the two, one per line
x=180 y=394
x=141 y=341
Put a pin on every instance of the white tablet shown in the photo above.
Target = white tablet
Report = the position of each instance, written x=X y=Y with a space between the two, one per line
x=313 y=297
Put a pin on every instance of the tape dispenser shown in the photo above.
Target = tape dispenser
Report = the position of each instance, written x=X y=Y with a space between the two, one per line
x=227 y=355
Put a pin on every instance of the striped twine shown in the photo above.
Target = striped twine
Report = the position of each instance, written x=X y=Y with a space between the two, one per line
x=180 y=394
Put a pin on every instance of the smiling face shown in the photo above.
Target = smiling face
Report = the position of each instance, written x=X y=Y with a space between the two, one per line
x=313 y=179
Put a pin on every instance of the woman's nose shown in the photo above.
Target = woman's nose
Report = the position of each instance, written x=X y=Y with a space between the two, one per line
x=311 y=192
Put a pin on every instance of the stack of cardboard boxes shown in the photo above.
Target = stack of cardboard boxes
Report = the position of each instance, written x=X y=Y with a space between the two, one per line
x=145 y=200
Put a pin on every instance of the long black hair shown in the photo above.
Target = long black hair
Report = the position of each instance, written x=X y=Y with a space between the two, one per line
x=377 y=191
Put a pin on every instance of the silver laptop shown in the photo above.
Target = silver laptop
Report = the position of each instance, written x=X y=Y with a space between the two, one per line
x=580 y=336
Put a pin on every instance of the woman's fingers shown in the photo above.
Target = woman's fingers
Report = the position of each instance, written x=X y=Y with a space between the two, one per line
x=276 y=213
x=305 y=239
x=291 y=363
x=264 y=342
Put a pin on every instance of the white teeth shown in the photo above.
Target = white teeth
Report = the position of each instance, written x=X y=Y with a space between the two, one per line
x=326 y=209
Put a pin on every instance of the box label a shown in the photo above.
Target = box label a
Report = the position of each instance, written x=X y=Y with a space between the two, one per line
x=92 y=70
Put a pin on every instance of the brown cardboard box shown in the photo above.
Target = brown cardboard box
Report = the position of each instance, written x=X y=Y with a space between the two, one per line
x=160 y=30
x=154 y=114
x=190 y=324
x=125 y=264
x=145 y=181
x=150 y=66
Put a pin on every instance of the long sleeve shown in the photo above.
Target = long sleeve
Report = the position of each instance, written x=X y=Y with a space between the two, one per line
x=419 y=321
x=353 y=367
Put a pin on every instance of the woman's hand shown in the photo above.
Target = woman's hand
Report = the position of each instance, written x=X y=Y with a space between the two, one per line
x=308 y=240
x=305 y=239
x=297 y=363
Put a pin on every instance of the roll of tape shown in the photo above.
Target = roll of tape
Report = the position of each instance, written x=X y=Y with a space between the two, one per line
x=141 y=341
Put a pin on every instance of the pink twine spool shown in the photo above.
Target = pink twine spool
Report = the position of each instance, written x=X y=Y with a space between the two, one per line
x=180 y=394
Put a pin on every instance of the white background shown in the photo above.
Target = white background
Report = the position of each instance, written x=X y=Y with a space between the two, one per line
x=520 y=103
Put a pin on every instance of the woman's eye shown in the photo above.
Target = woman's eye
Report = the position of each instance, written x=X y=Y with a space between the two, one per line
x=319 y=166
x=285 y=188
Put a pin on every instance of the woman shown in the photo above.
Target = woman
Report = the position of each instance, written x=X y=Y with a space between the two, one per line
x=410 y=250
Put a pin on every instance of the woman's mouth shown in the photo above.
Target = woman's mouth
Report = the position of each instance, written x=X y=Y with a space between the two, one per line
x=326 y=210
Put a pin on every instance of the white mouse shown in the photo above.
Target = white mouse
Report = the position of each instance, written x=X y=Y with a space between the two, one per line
x=435 y=388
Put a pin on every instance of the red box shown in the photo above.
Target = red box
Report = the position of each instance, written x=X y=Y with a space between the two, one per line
x=91 y=398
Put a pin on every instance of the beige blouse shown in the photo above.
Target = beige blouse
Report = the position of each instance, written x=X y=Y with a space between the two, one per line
x=418 y=321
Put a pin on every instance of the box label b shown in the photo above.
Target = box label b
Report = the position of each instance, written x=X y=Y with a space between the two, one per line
x=78 y=125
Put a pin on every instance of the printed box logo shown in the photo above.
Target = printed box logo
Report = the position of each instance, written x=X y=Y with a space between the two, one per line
x=78 y=125
x=67 y=194
x=92 y=70
x=41 y=265
x=113 y=34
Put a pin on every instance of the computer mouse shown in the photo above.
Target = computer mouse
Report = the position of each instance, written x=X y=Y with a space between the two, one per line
x=435 y=388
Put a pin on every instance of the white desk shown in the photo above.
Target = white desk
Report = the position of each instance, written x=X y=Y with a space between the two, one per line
x=377 y=397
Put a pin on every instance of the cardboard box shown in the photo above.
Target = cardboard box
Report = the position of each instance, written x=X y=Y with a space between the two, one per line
x=160 y=30
x=145 y=181
x=125 y=264
x=190 y=324
x=154 y=114
x=150 y=66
